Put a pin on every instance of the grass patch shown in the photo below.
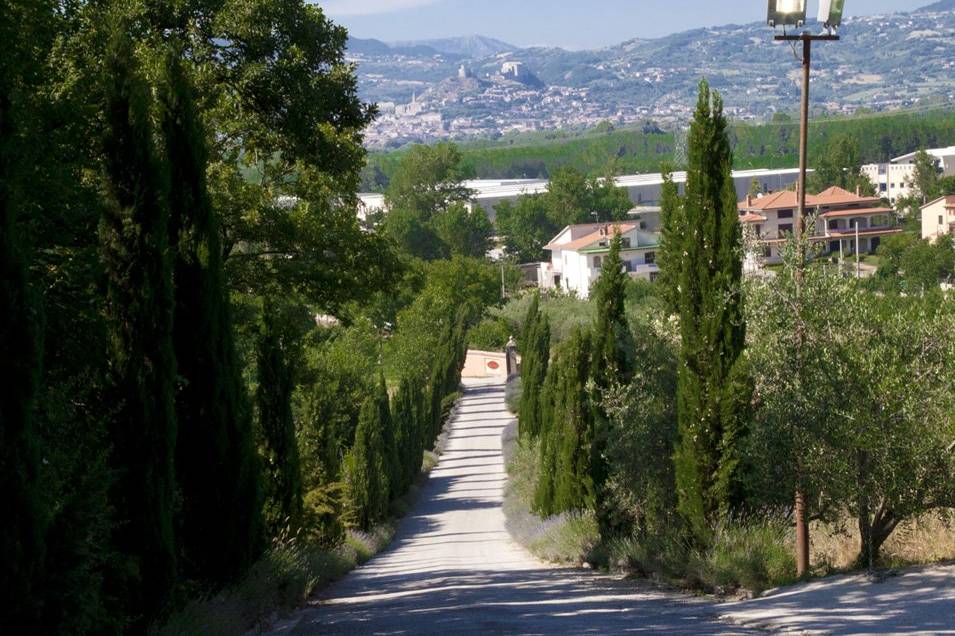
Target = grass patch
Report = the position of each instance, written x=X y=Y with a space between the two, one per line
x=929 y=538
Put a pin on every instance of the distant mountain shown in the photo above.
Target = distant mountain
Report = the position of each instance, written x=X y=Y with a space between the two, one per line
x=904 y=60
x=942 y=5
x=377 y=48
x=473 y=47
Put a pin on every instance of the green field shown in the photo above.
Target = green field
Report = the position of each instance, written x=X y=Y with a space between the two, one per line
x=632 y=150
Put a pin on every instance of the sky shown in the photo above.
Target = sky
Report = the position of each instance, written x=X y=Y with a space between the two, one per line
x=573 y=24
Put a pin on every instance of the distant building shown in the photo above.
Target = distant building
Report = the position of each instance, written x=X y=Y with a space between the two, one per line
x=938 y=218
x=893 y=180
x=410 y=110
x=838 y=214
x=464 y=72
x=577 y=255
x=644 y=189
x=514 y=70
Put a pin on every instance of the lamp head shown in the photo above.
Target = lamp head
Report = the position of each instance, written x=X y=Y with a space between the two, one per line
x=786 y=13
x=830 y=12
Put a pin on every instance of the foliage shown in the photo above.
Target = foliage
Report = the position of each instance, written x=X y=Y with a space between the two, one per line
x=840 y=166
x=463 y=232
x=535 y=358
x=139 y=306
x=861 y=385
x=672 y=242
x=219 y=518
x=925 y=181
x=22 y=538
x=425 y=201
x=637 y=150
x=491 y=334
x=566 y=482
x=910 y=264
x=278 y=357
x=364 y=471
x=711 y=325
x=526 y=225
x=612 y=362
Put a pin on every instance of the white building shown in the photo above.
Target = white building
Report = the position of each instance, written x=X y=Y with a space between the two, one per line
x=577 y=255
x=893 y=180
x=938 y=218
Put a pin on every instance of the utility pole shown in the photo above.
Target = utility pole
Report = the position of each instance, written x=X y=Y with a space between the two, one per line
x=802 y=523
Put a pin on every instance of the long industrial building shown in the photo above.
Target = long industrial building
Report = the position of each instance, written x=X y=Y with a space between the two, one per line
x=644 y=189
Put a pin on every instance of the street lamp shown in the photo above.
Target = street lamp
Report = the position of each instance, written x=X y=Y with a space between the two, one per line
x=793 y=13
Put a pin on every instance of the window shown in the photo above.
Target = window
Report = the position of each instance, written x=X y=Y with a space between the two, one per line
x=596 y=261
x=833 y=225
x=882 y=187
x=785 y=227
x=767 y=252
x=625 y=243
x=784 y=214
x=650 y=258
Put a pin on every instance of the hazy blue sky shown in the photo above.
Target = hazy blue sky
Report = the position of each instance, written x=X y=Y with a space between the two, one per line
x=568 y=23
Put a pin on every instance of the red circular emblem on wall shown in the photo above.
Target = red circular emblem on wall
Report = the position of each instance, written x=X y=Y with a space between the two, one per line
x=493 y=365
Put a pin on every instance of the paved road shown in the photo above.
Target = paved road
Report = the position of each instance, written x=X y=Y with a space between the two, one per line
x=918 y=601
x=453 y=568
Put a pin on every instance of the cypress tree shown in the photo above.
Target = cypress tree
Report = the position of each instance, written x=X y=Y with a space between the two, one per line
x=390 y=441
x=566 y=467
x=139 y=312
x=220 y=517
x=277 y=357
x=711 y=323
x=22 y=531
x=612 y=362
x=672 y=243
x=366 y=484
x=533 y=373
x=530 y=321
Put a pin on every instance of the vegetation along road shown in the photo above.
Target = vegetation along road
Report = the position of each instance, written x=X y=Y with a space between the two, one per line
x=453 y=569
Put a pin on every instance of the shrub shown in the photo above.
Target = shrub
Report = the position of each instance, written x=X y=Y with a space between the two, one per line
x=491 y=334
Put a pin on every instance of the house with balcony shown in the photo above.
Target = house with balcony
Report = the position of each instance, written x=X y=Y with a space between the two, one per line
x=845 y=222
x=578 y=253
x=938 y=218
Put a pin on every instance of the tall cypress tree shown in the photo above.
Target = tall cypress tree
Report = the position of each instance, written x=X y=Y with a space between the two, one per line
x=139 y=311
x=672 y=241
x=366 y=483
x=22 y=531
x=276 y=359
x=566 y=481
x=533 y=373
x=390 y=440
x=612 y=362
x=220 y=518
x=711 y=321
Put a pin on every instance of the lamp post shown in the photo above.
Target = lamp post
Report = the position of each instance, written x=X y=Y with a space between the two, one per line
x=792 y=13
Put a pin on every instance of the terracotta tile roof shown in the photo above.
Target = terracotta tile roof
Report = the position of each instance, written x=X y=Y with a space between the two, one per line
x=786 y=199
x=592 y=238
x=836 y=196
x=776 y=201
x=856 y=212
x=752 y=218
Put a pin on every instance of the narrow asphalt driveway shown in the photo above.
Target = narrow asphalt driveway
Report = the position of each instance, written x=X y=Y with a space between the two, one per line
x=453 y=568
